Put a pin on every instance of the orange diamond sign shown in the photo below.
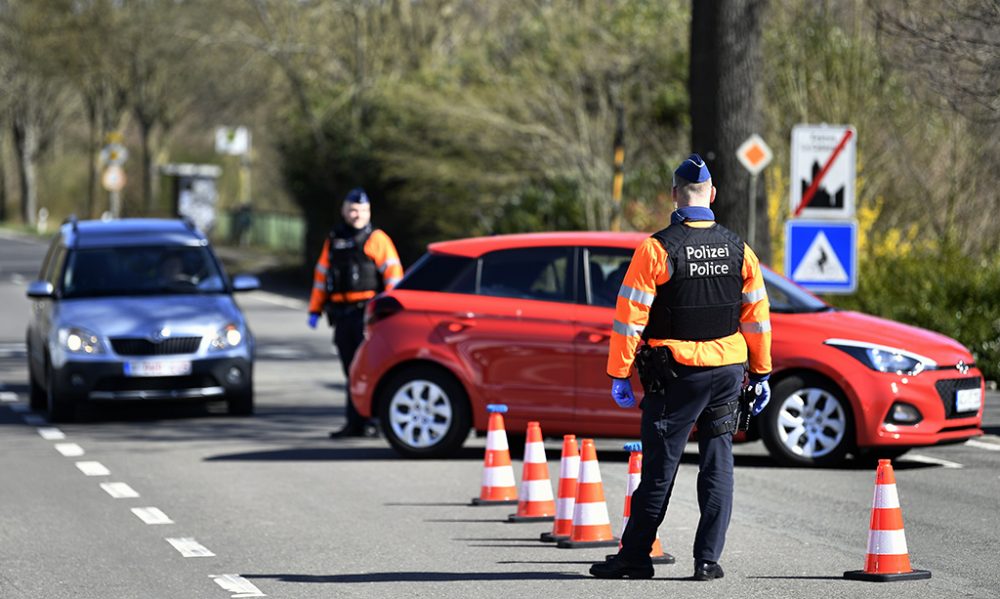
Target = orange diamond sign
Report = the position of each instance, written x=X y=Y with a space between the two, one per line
x=754 y=154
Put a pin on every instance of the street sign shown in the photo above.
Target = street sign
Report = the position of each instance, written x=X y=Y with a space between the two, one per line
x=754 y=154
x=823 y=171
x=822 y=256
x=113 y=179
x=114 y=153
x=234 y=141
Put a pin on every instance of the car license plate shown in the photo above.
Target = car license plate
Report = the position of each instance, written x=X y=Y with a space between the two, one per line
x=968 y=400
x=165 y=368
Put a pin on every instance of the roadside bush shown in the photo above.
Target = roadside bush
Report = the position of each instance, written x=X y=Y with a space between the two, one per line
x=936 y=287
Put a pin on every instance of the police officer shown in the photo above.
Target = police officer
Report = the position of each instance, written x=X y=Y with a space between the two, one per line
x=695 y=295
x=356 y=263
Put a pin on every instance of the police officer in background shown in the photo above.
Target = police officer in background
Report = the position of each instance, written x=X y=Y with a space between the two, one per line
x=356 y=263
x=694 y=293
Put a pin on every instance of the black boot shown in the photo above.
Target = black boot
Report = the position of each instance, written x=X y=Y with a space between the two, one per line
x=705 y=570
x=619 y=568
x=349 y=430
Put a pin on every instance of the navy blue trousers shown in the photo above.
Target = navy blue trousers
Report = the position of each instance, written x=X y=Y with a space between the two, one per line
x=666 y=425
x=348 y=333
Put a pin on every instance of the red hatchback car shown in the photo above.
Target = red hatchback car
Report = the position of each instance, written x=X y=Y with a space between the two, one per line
x=524 y=320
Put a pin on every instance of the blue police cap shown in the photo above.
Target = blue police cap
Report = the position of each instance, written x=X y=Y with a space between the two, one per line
x=356 y=196
x=693 y=169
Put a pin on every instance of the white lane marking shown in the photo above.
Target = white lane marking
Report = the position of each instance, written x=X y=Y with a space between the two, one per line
x=93 y=468
x=151 y=515
x=8 y=396
x=983 y=445
x=34 y=420
x=50 y=433
x=20 y=408
x=190 y=548
x=70 y=450
x=280 y=300
x=234 y=583
x=915 y=457
x=119 y=490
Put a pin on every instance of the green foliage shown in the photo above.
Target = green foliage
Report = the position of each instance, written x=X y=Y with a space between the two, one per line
x=941 y=289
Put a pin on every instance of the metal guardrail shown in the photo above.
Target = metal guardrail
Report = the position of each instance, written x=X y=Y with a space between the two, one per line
x=269 y=230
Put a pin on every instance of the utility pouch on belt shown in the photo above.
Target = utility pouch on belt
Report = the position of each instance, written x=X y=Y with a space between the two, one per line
x=743 y=412
x=654 y=365
x=719 y=420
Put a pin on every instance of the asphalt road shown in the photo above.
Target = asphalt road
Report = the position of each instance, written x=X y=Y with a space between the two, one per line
x=268 y=505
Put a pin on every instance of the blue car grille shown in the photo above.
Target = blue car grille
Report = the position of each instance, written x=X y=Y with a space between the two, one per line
x=125 y=346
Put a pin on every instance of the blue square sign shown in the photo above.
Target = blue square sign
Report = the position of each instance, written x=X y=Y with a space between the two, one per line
x=822 y=256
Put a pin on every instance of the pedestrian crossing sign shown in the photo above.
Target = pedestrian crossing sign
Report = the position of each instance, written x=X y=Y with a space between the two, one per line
x=822 y=256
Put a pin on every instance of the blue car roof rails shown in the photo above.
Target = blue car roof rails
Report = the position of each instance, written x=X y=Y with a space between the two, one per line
x=71 y=220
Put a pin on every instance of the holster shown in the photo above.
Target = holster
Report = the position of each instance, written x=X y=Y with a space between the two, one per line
x=655 y=365
x=719 y=420
x=744 y=409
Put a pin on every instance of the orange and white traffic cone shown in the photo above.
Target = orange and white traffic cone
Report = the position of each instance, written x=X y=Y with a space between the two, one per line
x=536 y=504
x=498 y=486
x=591 y=524
x=569 y=470
x=631 y=484
x=888 y=559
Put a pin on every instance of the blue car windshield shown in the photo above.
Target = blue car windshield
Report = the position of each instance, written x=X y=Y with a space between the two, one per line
x=146 y=270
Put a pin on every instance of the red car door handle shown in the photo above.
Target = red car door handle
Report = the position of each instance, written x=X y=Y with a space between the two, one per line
x=595 y=336
x=456 y=326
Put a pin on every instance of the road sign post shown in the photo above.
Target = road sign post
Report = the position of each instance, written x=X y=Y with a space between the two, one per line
x=754 y=155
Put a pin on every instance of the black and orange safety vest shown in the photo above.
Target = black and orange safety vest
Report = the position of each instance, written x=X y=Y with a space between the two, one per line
x=350 y=265
x=700 y=292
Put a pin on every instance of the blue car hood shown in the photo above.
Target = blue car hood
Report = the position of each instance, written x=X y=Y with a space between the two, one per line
x=143 y=316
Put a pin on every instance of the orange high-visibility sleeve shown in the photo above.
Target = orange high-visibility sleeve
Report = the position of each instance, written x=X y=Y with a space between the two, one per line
x=319 y=296
x=381 y=250
x=755 y=315
x=649 y=268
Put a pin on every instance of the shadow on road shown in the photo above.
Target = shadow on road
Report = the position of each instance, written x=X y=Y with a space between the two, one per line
x=310 y=454
x=419 y=577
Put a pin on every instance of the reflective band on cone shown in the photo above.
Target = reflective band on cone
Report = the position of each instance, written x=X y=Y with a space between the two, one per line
x=887 y=559
x=537 y=503
x=656 y=554
x=569 y=470
x=591 y=524
x=499 y=487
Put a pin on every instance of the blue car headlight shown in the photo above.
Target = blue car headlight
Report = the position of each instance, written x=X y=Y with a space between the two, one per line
x=883 y=358
x=76 y=340
x=228 y=337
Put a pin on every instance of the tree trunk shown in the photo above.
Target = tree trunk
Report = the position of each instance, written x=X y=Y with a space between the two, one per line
x=3 y=182
x=92 y=149
x=26 y=142
x=145 y=134
x=724 y=84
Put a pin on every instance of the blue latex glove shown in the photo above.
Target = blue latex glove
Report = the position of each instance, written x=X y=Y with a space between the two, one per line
x=313 y=319
x=621 y=392
x=762 y=389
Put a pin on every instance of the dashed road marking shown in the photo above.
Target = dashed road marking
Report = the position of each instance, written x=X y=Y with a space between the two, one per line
x=34 y=420
x=119 y=490
x=20 y=408
x=51 y=433
x=983 y=445
x=913 y=457
x=234 y=583
x=70 y=450
x=152 y=515
x=93 y=468
x=8 y=396
x=188 y=547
